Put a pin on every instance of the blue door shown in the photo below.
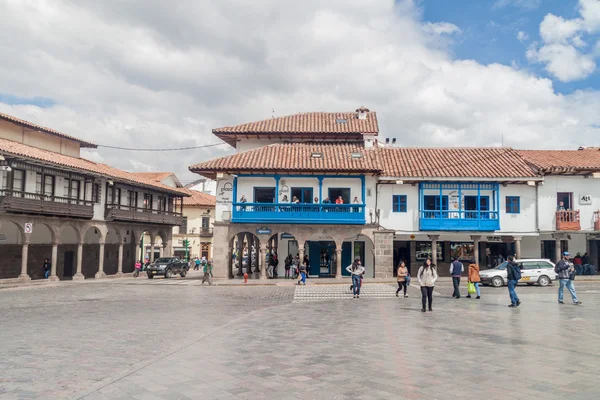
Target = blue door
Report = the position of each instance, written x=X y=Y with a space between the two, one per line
x=346 y=257
x=314 y=256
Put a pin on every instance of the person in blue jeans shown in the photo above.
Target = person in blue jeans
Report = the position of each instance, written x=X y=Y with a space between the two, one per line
x=513 y=275
x=566 y=274
x=302 y=269
x=356 y=270
x=47 y=268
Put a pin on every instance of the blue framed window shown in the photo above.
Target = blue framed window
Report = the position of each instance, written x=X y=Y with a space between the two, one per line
x=513 y=205
x=399 y=203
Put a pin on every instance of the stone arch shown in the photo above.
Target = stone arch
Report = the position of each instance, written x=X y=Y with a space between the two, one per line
x=69 y=238
x=131 y=249
x=69 y=233
x=94 y=239
x=320 y=249
x=41 y=243
x=43 y=233
x=114 y=238
x=365 y=247
x=11 y=248
x=245 y=254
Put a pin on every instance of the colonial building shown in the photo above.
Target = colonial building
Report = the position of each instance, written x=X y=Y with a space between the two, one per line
x=321 y=185
x=198 y=219
x=87 y=218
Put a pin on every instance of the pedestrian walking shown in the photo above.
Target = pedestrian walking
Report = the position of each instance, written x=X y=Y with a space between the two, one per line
x=288 y=266
x=302 y=273
x=474 y=279
x=427 y=276
x=513 y=273
x=197 y=264
x=356 y=270
x=566 y=275
x=456 y=269
x=402 y=283
x=208 y=268
x=47 y=267
x=136 y=270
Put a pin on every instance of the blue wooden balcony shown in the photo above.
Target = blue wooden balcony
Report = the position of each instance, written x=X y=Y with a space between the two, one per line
x=435 y=220
x=348 y=214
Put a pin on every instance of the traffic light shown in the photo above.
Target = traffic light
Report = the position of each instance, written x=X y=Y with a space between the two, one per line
x=186 y=243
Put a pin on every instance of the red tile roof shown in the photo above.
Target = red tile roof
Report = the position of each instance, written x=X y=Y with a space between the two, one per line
x=19 y=150
x=312 y=125
x=563 y=161
x=199 y=199
x=18 y=121
x=298 y=157
x=159 y=176
x=475 y=162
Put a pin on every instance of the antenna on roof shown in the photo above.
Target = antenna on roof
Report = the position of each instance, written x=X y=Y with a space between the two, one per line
x=273 y=115
x=502 y=139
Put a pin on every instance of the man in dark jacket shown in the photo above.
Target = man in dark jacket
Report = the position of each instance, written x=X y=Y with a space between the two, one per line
x=513 y=275
x=566 y=274
x=456 y=269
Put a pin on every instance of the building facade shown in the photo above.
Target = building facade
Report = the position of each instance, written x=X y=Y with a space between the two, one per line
x=86 y=218
x=278 y=194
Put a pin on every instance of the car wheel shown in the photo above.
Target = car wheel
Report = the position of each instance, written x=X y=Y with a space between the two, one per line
x=150 y=276
x=497 y=281
x=183 y=273
x=543 y=281
x=168 y=273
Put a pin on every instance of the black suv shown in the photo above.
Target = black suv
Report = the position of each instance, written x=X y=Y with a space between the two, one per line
x=167 y=267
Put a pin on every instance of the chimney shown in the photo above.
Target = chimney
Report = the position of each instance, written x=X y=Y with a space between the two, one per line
x=362 y=112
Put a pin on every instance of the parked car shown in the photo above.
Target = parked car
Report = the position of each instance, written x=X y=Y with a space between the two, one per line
x=533 y=271
x=167 y=267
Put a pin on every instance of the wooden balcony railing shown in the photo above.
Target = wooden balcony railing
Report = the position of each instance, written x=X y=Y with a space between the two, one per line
x=568 y=220
x=117 y=212
x=15 y=201
x=597 y=221
x=206 y=231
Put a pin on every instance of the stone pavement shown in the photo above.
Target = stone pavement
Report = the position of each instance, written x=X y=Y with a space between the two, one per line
x=109 y=341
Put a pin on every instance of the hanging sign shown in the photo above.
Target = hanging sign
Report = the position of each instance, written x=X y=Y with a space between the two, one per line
x=494 y=239
x=28 y=227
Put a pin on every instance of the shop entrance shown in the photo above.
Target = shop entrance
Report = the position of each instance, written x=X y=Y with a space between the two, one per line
x=322 y=258
x=496 y=253
x=401 y=253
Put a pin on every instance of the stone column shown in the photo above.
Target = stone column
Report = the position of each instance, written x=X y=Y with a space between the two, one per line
x=161 y=250
x=263 y=263
x=230 y=265
x=517 y=240
x=476 y=240
x=152 y=251
x=557 y=254
x=53 y=276
x=120 y=261
x=78 y=275
x=338 y=263
x=384 y=253
x=434 y=239
x=24 y=253
x=101 y=274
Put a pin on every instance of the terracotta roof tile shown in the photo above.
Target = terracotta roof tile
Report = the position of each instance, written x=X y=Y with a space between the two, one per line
x=159 y=176
x=312 y=125
x=476 y=162
x=51 y=131
x=9 y=147
x=390 y=162
x=563 y=161
x=298 y=157
x=199 y=199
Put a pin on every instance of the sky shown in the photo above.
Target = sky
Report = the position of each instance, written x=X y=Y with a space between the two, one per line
x=158 y=74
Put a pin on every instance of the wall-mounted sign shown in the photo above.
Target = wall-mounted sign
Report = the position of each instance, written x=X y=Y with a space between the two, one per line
x=287 y=236
x=412 y=237
x=494 y=239
x=224 y=192
x=28 y=227
x=585 y=200
x=2 y=237
x=263 y=230
x=284 y=189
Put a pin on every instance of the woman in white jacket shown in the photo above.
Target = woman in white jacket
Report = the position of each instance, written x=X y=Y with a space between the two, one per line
x=356 y=270
x=427 y=276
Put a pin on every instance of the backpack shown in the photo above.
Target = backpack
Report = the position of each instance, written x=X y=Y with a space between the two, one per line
x=516 y=272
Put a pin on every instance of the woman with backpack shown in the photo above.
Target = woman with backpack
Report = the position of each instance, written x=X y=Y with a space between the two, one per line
x=427 y=276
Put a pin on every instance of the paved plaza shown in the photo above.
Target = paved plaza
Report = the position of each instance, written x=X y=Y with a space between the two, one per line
x=131 y=340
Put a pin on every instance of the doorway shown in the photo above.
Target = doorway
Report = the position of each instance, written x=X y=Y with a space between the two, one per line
x=334 y=193
x=68 y=264
x=549 y=248
x=401 y=253
x=304 y=195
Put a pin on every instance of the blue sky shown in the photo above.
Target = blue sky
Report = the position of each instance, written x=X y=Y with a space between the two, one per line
x=490 y=29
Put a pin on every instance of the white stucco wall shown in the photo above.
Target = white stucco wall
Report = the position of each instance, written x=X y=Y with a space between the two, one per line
x=578 y=186
x=38 y=139
x=399 y=221
x=524 y=222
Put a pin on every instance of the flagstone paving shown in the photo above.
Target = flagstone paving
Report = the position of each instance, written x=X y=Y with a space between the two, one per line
x=107 y=341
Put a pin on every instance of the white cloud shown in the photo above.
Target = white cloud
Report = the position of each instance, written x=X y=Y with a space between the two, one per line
x=563 y=49
x=527 y=4
x=441 y=28
x=522 y=36
x=165 y=77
